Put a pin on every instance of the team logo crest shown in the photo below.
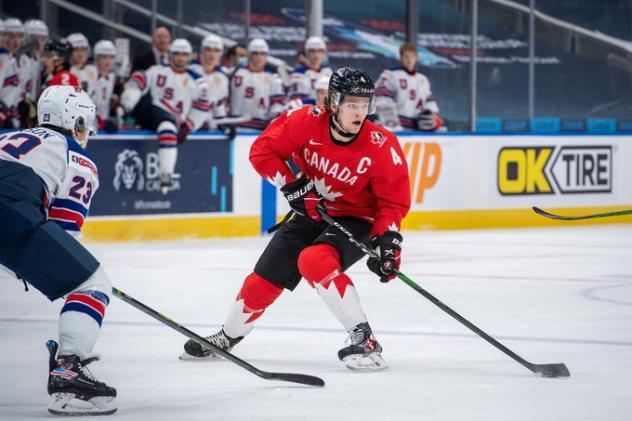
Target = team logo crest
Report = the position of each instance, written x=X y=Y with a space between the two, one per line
x=378 y=138
x=316 y=111
x=128 y=171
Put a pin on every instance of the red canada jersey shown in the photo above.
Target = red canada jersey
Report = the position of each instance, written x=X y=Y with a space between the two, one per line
x=64 y=78
x=366 y=178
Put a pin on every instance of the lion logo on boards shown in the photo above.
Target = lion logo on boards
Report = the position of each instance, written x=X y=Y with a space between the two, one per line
x=378 y=138
x=128 y=171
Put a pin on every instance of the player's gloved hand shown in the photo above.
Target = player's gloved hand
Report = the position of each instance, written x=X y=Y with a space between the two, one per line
x=427 y=121
x=388 y=247
x=303 y=197
x=185 y=128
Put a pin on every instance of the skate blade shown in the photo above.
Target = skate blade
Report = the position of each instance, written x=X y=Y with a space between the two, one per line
x=188 y=357
x=371 y=362
x=66 y=404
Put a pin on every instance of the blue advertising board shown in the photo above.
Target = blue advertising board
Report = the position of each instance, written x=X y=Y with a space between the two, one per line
x=130 y=182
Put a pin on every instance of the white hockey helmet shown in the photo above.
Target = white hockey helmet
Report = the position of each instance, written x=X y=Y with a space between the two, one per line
x=258 y=45
x=13 y=26
x=104 y=47
x=212 y=41
x=68 y=108
x=315 y=43
x=35 y=27
x=78 y=40
x=322 y=83
x=180 y=45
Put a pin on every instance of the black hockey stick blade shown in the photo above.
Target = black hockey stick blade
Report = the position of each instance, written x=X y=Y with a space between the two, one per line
x=551 y=370
x=287 y=377
x=576 y=218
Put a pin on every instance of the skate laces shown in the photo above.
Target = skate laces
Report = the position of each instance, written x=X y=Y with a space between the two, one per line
x=219 y=339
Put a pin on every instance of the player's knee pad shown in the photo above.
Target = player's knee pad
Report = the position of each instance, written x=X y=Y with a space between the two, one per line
x=99 y=282
x=258 y=293
x=319 y=263
x=91 y=297
x=167 y=133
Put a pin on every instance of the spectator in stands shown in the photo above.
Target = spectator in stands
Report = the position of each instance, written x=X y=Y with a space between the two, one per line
x=403 y=95
x=105 y=98
x=159 y=52
x=216 y=80
x=303 y=78
x=56 y=59
x=235 y=56
x=256 y=90
x=87 y=73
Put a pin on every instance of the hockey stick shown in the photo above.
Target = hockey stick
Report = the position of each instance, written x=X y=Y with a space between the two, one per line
x=547 y=370
x=288 y=377
x=576 y=218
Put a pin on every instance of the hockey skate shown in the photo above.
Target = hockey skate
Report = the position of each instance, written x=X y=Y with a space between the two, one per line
x=195 y=351
x=73 y=388
x=165 y=183
x=364 y=352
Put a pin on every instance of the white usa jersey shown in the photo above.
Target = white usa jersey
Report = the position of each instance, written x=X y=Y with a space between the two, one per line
x=258 y=95
x=102 y=97
x=88 y=77
x=409 y=90
x=28 y=67
x=303 y=80
x=67 y=170
x=182 y=94
x=10 y=89
x=217 y=83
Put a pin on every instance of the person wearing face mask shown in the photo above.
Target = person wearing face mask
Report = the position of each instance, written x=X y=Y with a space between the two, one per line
x=404 y=98
x=256 y=90
x=358 y=172
x=303 y=78
x=236 y=56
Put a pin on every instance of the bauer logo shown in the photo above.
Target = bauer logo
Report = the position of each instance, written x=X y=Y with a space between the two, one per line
x=554 y=170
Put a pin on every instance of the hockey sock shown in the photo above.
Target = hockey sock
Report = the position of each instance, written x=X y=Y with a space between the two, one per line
x=167 y=150
x=320 y=266
x=255 y=296
x=82 y=314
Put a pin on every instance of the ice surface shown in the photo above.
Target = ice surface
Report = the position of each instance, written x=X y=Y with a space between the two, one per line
x=550 y=295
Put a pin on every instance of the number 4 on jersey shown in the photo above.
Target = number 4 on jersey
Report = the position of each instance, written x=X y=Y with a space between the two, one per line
x=397 y=160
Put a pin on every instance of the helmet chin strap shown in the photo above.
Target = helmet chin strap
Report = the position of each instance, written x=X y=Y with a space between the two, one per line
x=337 y=126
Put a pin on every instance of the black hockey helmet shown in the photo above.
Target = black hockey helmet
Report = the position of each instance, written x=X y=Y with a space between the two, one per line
x=352 y=82
x=59 y=48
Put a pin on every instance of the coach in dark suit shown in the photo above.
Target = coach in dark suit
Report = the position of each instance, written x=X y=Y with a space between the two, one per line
x=159 y=52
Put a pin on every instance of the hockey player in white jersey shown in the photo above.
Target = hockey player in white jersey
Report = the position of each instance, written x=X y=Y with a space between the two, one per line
x=87 y=73
x=179 y=104
x=404 y=97
x=31 y=67
x=216 y=80
x=303 y=78
x=256 y=90
x=47 y=181
x=104 y=98
x=11 y=87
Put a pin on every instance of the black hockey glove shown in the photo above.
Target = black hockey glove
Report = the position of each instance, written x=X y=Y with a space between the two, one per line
x=426 y=121
x=388 y=247
x=303 y=197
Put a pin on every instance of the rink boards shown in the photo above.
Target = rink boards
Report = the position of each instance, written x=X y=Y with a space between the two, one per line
x=457 y=182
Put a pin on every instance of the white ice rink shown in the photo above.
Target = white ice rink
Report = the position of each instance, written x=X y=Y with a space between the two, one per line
x=550 y=295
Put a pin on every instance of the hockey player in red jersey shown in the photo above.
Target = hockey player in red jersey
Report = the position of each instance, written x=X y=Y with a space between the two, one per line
x=358 y=171
x=56 y=59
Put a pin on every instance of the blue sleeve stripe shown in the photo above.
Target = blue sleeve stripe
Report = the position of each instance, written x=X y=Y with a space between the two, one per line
x=66 y=226
x=71 y=205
